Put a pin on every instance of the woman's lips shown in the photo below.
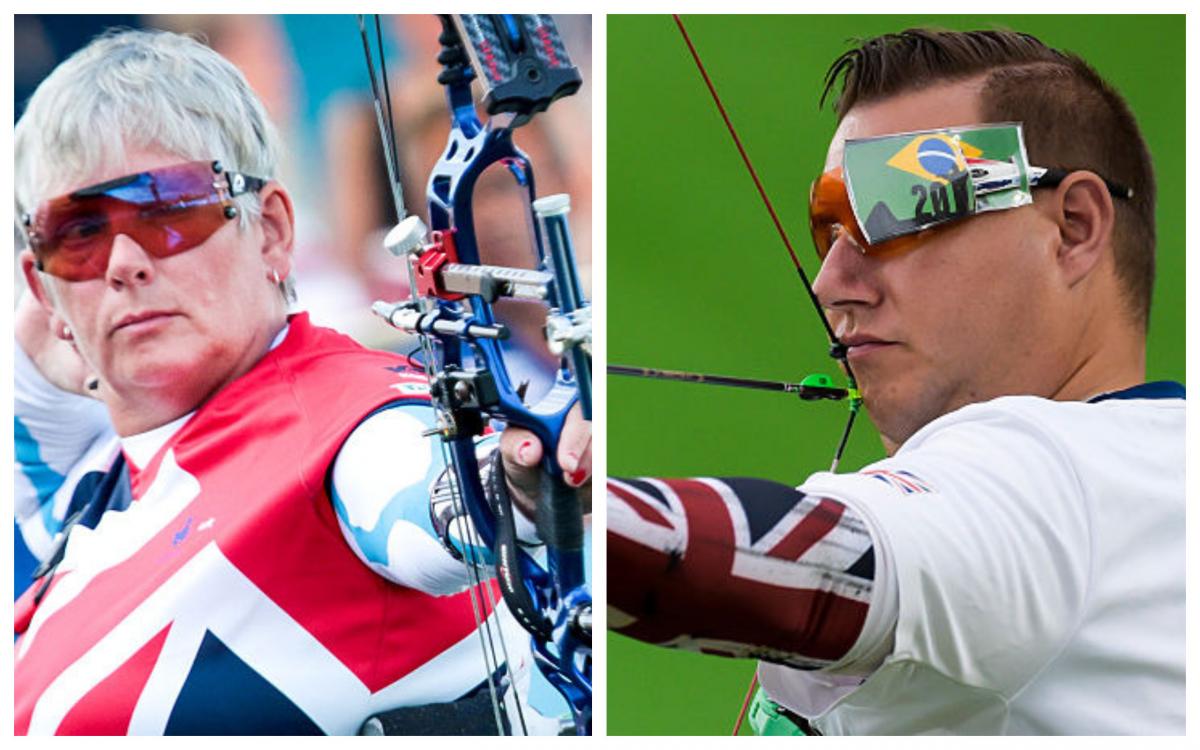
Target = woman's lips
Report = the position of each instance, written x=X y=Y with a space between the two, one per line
x=144 y=323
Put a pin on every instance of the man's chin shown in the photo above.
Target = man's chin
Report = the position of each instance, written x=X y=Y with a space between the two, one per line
x=899 y=409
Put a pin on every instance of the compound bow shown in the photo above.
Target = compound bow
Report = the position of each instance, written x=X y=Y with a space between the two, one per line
x=523 y=67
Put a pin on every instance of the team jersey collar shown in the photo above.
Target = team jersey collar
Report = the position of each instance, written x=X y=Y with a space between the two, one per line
x=1157 y=390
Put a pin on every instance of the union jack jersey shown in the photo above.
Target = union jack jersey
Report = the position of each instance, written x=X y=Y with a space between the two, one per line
x=225 y=598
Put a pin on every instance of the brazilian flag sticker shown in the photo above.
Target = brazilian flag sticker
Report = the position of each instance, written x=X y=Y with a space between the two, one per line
x=901 y=184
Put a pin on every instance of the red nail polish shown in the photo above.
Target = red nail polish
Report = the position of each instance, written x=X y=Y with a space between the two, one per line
x=523 y=452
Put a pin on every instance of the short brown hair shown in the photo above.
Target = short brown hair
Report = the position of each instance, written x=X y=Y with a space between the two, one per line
x=1073 y=119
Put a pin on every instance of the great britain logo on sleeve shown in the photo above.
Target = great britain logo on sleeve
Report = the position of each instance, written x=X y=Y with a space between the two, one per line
x=410 y=382
x=904 y=481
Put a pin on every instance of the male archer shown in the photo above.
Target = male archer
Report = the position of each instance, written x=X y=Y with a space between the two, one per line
x=1016 y=564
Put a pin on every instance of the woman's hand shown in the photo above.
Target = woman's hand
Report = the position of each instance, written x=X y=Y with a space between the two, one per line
x=53 y=352
x=522 y=454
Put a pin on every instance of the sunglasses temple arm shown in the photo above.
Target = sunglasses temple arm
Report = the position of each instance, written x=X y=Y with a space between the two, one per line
x=1043 y=177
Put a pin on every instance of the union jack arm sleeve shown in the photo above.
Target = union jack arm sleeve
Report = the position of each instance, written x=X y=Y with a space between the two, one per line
x=737 y=567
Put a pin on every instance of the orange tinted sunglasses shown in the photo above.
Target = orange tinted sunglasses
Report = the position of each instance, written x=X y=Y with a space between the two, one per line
x=166 y=211
x=830 y=215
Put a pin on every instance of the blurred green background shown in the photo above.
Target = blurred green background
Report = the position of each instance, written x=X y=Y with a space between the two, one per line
x=698 y=280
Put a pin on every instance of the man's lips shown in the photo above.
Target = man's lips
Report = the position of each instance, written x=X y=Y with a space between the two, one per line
x=143 y=319
x=859 y=345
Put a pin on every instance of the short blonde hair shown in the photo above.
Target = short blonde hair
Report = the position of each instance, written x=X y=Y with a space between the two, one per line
x=140 y=89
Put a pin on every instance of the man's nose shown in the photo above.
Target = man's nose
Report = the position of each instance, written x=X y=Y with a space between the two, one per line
x=845 y=277
x=128 y=263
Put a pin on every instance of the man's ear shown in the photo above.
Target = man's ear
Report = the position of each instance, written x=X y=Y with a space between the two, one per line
x=34 y=279
x=1084 y=212
x=279 y=228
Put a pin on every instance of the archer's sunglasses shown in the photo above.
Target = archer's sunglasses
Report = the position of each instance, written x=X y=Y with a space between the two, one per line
x=166 y=211
x=892 y=190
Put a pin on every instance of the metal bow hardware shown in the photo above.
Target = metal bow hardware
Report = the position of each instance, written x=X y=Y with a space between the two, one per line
x=523 y=68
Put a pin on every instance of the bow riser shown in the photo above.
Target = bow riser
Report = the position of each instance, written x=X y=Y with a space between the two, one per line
x=559 y=520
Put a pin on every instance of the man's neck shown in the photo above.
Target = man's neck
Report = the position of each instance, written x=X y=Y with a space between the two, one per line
x=1117 y=363
x=1113 y=365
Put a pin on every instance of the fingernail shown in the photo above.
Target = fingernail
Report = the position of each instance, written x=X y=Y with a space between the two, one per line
x=570 y=462
x=523 y=451
x=576 y=474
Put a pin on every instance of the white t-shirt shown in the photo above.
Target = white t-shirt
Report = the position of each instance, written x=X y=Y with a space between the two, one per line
x=1036 y=552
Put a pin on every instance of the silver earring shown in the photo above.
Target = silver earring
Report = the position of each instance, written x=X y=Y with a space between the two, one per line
x=67 y=333
x=275 y=275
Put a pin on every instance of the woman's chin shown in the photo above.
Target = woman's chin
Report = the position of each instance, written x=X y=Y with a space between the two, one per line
x=167 y=375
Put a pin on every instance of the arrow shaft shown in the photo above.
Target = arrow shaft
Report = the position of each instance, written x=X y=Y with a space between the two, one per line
x=696 y=377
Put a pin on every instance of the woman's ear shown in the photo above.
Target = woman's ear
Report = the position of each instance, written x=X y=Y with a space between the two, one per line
x=278 y=227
